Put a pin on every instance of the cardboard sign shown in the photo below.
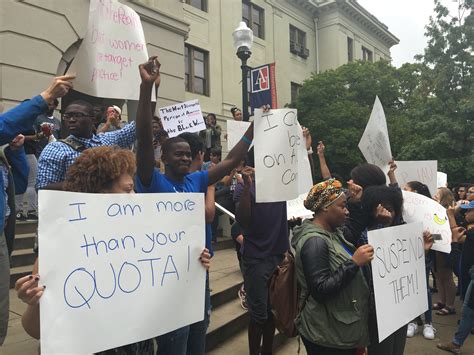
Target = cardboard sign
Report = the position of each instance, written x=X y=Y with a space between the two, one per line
x=420 y=170
x=235 y=131
x=282 y=170
x=399 y=276
x=441 y=179
x=117 y=264
x=375 y=142
x=183 y=117
x=114 y=45
x=418 y=208
x=295 y=208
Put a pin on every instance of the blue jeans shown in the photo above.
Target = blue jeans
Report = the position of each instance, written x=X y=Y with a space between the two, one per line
x=467 y=314
x=173 y=343
x=197 y=331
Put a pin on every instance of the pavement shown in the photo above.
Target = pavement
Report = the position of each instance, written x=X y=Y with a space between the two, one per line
x=225 y=272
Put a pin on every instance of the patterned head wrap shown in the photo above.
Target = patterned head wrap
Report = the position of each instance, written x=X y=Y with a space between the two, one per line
x=323 y=194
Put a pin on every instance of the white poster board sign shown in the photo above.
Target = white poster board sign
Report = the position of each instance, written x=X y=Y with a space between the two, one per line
x=418 y=208
x=114 y=45
x=295 y=208
x=117 y=264
x=420 y=170
x=442 y=179
x=375 y=142
x=399 y=276
x=182 y=117
x=235 y=131
x=282 y=170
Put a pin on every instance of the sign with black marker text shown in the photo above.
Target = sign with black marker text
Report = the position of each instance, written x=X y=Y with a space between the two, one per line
x=182 y=117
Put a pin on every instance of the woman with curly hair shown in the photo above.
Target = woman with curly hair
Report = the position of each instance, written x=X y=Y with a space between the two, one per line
x=96 y=170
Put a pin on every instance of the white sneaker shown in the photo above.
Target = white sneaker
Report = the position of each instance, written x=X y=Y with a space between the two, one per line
x=429 y=332
x=412 y=329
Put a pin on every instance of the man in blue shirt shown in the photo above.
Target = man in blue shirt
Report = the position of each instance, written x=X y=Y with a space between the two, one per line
x=58 y=156
x=176 y=155
x=12 y=122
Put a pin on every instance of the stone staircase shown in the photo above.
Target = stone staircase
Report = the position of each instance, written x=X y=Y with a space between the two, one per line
x=228 y=320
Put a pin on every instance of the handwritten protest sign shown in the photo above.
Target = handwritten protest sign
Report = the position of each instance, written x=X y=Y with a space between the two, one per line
x=418 y=208
x=420 y=170
x=399 y=276
x=182 y=117
x=441 y=179
x=282 y=170
x=235 y=131
x=119 y=268
x=114 y=45
x=375 y=142
x=295 y=208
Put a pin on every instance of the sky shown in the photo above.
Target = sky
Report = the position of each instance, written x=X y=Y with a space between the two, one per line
x=406 y=19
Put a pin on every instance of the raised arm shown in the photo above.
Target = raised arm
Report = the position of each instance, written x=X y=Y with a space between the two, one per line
x=235 y=156
x=323 y=166
x=149 y=72
x=391 y=173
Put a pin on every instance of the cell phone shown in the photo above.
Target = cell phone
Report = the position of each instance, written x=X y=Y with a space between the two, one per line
x=436 y=236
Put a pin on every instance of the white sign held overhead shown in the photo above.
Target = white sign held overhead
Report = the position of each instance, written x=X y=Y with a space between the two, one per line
x=418 y=208
x=419 y=170
x=441 y=179
x=235 y=131
x=375 y=142
x=282 y=170
x=114 y=264
x=182 y=117
x=399 y=276
x=107 y=61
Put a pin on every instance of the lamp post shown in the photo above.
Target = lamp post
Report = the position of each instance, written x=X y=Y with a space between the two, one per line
x=243 y=39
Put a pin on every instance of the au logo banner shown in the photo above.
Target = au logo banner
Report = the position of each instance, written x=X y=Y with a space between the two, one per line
x=263 y=86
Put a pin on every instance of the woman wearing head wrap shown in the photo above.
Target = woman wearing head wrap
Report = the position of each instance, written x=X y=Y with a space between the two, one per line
x=334 y=293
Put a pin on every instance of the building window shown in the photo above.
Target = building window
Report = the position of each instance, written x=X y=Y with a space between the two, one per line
x=367 y=54
x=196 y=71
x=199 y=4
x=298 y=42
x=252 y=15
x=350 y=49
x=295 y=89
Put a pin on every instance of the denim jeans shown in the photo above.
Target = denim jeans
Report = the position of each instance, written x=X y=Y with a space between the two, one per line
x=173 y=343
x=197 y=331
x=467 y=314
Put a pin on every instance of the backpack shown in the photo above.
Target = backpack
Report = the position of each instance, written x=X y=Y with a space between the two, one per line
x=284 y=296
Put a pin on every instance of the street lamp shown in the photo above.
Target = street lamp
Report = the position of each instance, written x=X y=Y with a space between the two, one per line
x=243 y=39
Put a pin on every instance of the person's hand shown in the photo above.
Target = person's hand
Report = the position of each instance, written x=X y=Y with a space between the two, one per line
x=382 y=215
x=320 y=148
x=28 y=290
x=458 y=234
x=307 y=136
x=427 y=240
x=150 y=71
x=17 y=142
x=205 y=259
x=363 y=255
x=354 y=190
x=392 y=167
x=247 y=174
x=58 y=88
x=265 y=108
x=450 y=211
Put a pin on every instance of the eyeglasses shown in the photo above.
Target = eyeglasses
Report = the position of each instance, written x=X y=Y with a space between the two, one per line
x=76 y=115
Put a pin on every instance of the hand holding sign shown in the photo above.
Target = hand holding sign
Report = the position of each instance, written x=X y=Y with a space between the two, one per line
x=58 y=88
x=363 y=255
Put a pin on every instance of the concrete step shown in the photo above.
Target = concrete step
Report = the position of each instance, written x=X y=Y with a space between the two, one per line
x=26 y=227
x=22 y=257
x=24 y=241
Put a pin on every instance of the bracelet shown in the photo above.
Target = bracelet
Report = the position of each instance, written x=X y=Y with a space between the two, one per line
x=310 y=151
x=246 y=140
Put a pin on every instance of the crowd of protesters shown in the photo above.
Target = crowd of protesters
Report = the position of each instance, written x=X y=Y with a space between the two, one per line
x=332 y=255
